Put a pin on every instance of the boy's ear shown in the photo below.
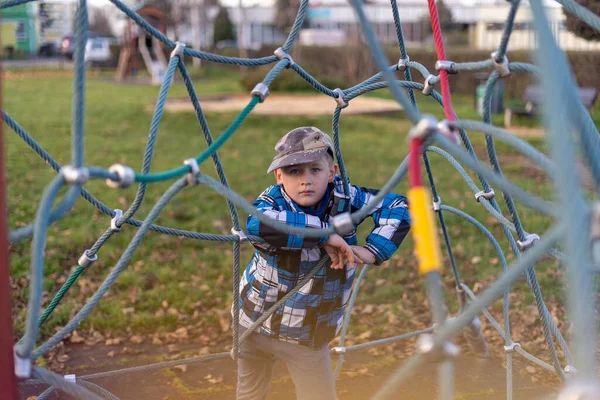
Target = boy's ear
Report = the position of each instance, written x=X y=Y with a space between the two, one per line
x=332 y=172
x=277 y=174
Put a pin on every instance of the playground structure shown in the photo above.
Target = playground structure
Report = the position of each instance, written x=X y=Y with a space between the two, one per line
x=576 y=230
x=137 y=43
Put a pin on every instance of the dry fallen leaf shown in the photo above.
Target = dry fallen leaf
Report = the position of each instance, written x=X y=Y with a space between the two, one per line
x=182 y=368
x=62 y=358
x=136 y=339
x=157 y=341
x=75 y=338
x=111 y=353
x=216 y=380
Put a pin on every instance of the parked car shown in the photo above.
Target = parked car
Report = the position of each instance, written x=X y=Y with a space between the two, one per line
x=97 y=50
x=49 y=49
x=67 y=46
x=68 y=42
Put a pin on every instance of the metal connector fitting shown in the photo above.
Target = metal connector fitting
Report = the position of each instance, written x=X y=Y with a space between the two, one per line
x=338 y=350
x=191 y=176
x=343 y=224
x=486 y=195
x=113 y=222
x=511 y=348
x=71 y=378
x=340 y=99
x=428 y=88
x=502 y=67
x=426 y=346
x=426 y=127
x=22 y=366
x=450 y=131
x=240 y=234
x=403 y=63
x=178 y=50
x=437 y=205
x=570 y=370
x=75 y=176
x=85 y=261
x=280 y=54
x=261 y=90
x=125 y=174
x=528 y=242
x=446 y=65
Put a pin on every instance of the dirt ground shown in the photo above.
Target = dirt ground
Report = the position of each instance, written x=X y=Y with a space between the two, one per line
x=363 y=374
x=283 y=104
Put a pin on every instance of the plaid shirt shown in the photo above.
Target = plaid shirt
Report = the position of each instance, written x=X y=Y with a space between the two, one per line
x=313 y=316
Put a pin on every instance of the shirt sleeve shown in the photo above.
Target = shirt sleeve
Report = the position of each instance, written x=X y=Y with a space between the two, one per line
x=267 y=204
x=391 y=218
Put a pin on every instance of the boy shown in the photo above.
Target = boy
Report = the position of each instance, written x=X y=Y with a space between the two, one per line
x=308 y=193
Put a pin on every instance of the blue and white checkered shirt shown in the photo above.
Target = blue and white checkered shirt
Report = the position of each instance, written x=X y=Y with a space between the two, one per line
x=313 y=316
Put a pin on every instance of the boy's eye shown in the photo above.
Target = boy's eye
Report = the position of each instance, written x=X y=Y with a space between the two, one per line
x=316 y=169
x=294 y=171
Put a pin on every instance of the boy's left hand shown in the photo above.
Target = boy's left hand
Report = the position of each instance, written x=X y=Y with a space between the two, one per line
x=362 y=255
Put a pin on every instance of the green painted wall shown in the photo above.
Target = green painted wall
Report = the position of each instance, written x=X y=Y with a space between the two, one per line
x=18 y=28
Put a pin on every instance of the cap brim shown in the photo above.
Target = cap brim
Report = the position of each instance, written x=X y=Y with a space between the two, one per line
x=302 y=157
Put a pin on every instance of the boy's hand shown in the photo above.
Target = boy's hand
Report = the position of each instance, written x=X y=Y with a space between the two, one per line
x=339 y=251
x=362 y=255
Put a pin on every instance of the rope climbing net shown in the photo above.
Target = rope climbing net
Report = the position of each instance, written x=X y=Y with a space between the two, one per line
x=577 y=226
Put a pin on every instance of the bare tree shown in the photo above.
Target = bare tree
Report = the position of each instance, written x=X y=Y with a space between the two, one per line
x=285 y=14
x=578 y=27
x=100 y=22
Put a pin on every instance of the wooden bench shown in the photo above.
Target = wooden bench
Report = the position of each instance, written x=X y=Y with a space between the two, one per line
x=533 y=96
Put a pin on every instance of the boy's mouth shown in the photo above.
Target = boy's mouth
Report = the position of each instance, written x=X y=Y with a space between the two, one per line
x=306 y=193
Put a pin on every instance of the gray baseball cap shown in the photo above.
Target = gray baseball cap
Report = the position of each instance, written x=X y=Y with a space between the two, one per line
x=301 y=145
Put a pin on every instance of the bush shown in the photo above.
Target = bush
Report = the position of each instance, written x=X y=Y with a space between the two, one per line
x=288 y=80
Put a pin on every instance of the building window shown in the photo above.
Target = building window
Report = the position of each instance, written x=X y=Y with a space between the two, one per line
x=20 y=32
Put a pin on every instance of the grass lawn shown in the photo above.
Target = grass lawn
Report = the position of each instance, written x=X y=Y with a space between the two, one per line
x=171 y=280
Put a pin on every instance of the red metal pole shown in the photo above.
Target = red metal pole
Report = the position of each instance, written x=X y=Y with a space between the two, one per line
x=8 y=381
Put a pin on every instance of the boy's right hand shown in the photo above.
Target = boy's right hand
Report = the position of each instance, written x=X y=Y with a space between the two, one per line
x=339 y=251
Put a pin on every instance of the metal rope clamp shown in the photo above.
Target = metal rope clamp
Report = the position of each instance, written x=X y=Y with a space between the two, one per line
x=281 y=55
x=528 y=242
x=71 y=378
x=429 y=85
x=178 y=50
x=240 y=234
x=113 y=222
x=511 y=348
x=191 y=177
x=445 y=65
x=426 y=345
x=437 y=205
x=338 y=350
x=502 y=67
x=261 y=90
x=126 y=176
x=425 y=128
x=22 y=366
x=570 y=370
x=85 y=261
x=486 y=195
x=343 y=224
x=403 y=63
x=75 y=176
x=448 y=130
x=340 y=99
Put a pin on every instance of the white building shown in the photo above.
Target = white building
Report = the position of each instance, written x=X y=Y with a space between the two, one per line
x=484 y=20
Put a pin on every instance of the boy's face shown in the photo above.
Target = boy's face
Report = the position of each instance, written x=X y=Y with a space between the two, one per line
x=306 y=184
